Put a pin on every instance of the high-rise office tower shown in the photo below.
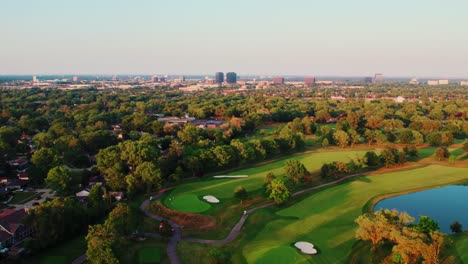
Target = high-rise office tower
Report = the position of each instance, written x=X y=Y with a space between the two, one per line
x=219 y=77
x=378 y=78
x=231 y=77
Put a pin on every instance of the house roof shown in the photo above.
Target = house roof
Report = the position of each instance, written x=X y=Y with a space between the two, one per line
x=83 y=193
x=10 y=220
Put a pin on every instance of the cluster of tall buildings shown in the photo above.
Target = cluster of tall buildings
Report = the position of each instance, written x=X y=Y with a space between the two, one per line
x=378 y=78
x=231 y=77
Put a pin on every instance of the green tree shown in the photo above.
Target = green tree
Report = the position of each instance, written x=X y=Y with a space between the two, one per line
x=295 y=171
x=268 y=179
x=354 y=137
x=190 y=134
x=465 y=146
x=121 y=220
x=100 y=240
x=426 y=225
x=59 y=179
x=456 y=227
x=389 y=156
x=45 y=159
x=341 y=138
x=240 y=193
x=442 y=153
x=325 y=142
x=150 y=175
x=279 y=192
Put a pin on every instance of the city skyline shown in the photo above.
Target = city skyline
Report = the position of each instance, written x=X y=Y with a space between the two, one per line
x=418 y=39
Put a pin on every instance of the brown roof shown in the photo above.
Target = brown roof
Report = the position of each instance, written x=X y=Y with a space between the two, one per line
x=10 y=220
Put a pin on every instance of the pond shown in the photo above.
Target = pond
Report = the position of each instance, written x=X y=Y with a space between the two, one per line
x=444 y=205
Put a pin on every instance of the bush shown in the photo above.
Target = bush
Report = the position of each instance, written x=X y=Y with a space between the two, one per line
x=442 y=153
x=372 y=159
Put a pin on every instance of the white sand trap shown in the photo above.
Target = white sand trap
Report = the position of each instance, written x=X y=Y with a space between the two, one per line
x=211 y=199
x=230 y=176
x=306 y=247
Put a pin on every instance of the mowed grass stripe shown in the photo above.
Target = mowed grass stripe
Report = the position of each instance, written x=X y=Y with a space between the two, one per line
x=224 y=188
x=326 y=218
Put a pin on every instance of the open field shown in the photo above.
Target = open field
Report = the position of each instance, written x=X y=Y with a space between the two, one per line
x=224 y=188
x=326 y=218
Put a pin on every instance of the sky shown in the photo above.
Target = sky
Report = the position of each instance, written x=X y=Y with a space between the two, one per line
x=415 y=38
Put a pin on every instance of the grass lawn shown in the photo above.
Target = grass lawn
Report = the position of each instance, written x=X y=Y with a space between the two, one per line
x=144 y=252
x=224 y=188
x=22 y=197
x=149 y=255
x=326 y=218
x=188 y=203
x=461 y=245
x=64 y=253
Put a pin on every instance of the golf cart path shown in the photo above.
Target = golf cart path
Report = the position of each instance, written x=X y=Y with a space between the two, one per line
x=236 y=229
x=176 y=236
x=172 y=245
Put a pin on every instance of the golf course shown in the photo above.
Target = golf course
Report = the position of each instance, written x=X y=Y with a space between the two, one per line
x=324 y=217
x=188 y=197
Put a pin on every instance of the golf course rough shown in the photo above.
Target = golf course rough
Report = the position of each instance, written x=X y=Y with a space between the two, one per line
x=327 y=216
x=149 y=255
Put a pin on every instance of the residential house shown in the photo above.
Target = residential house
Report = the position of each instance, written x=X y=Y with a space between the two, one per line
x=12 y=230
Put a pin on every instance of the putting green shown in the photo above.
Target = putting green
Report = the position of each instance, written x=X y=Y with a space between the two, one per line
x=189 y=203
x=149 y=255
x=326 y=218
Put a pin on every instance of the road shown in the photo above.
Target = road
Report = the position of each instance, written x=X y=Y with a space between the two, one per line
x=47 y=193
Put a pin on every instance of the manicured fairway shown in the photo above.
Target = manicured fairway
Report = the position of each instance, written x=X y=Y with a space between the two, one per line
x=187 y=203
x=326 y=218
x=224 y=188
x=149 y=255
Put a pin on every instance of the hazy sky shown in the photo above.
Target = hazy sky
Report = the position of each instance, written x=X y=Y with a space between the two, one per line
x=313 y=37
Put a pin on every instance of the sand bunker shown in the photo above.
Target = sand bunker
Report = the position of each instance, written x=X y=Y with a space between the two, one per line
x=210 y=199
x=230 y=176
x=306 y=247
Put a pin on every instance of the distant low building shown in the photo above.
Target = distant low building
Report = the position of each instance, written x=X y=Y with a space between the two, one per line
x=464 y=83
x=443 y=82
x=432 y=82
x=119 y=196
x=325 y=82
x=414 y=81
x=278 y=80
x=309 y=80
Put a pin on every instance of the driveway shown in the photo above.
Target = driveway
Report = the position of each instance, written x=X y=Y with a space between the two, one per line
x=46 y=194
